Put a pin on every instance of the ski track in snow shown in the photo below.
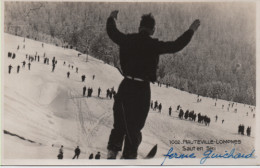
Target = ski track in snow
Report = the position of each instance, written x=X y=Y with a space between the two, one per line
x=49 y=108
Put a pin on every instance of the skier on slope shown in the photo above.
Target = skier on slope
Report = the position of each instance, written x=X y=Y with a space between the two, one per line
x=139 y=57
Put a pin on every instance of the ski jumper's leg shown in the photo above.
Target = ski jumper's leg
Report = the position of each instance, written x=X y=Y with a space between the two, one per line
x=135 y=106
x=117 y=134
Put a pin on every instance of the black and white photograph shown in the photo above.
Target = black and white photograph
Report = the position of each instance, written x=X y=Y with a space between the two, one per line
x=129 y=83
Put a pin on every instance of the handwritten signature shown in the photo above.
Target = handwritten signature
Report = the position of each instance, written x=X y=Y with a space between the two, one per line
x=209 y=154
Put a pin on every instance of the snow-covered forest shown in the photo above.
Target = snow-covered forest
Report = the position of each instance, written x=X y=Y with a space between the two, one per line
x=220 y=61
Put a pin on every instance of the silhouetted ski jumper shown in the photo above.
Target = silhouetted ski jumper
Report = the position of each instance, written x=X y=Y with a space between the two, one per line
x=139 y=56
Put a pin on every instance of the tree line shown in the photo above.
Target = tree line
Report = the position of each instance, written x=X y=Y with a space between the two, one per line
x=220 y=61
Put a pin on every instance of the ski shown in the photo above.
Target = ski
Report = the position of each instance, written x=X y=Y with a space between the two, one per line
x=152 y=153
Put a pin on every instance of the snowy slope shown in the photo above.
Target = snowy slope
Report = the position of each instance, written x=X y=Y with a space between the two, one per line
x=48 y=108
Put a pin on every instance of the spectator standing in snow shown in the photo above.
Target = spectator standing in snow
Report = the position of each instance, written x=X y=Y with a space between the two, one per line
x=83 y=77
x=248 y=131
x=60 y=155
x=108 y=93
x=29 y=66
x=88 y=92
x=242 y=129
x=68 y=74
x=97 y=155
x=239 y=129
x=170 y=111
x=91 y=91
x=77 y=153
x=151 y=104
x=23 y=64
x=99 y=91
x=10 y=55
x=13 y=56
x=9 y=68
x=160 y=107
x=91 y=156
x=18 y=68
x=53 y=67
x=84 y=90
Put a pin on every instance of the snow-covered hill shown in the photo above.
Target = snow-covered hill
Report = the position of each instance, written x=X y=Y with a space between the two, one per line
x=48 y=108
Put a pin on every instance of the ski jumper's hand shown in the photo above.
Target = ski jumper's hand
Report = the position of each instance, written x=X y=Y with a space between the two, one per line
x=194 y=26
x=113 y=14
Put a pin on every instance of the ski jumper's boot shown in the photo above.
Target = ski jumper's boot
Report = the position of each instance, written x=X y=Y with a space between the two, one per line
x=111 y=154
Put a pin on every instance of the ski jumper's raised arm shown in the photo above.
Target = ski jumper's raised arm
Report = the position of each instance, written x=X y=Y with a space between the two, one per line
x=177 y=45
x=114 y=34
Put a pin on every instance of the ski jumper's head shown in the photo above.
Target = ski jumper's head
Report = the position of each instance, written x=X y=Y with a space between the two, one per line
x=147 y=24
